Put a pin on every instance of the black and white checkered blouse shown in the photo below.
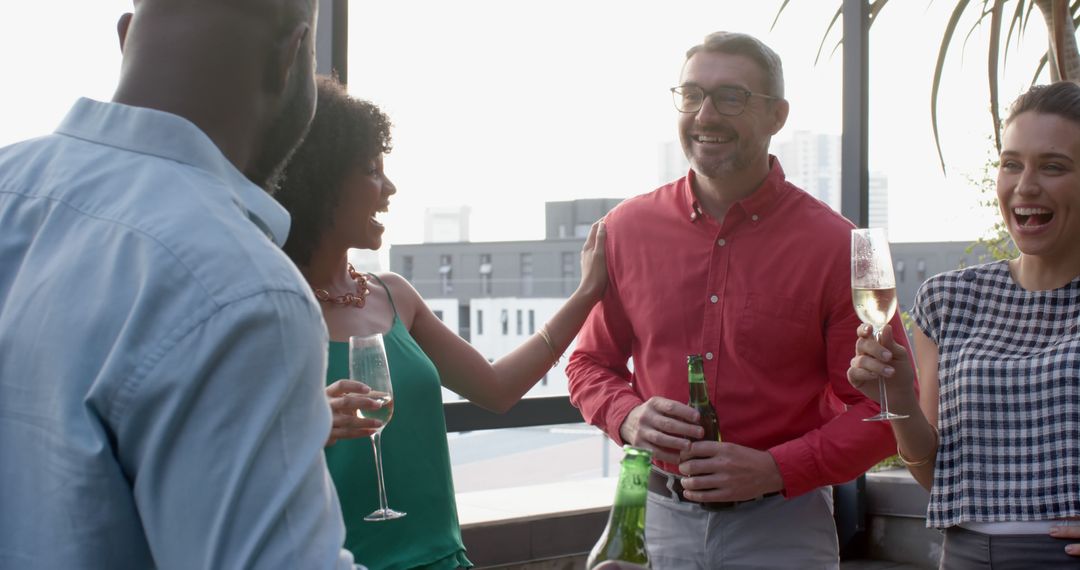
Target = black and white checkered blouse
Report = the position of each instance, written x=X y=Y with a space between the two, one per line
x=1009 y=406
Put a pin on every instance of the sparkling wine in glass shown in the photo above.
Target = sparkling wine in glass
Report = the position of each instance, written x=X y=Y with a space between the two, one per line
x=367 y=364
x=873 y=291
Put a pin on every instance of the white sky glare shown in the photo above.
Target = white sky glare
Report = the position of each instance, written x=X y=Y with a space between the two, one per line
x=503 y=106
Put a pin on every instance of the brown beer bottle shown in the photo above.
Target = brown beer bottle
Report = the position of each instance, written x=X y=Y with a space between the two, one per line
x=699 y=399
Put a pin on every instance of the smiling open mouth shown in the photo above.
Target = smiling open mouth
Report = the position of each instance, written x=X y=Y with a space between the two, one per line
x=713 y=139
x=375 y=215
x=1032 y=217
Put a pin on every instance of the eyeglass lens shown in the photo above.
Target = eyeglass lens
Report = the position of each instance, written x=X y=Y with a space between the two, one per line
x=726 y=100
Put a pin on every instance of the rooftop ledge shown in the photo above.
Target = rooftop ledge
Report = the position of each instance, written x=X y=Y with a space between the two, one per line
x=554 y=525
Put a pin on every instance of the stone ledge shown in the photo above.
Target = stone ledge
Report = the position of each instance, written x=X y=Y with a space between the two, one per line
x=551 y=526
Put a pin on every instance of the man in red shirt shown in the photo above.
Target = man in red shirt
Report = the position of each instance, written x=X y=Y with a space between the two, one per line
x=736 y=264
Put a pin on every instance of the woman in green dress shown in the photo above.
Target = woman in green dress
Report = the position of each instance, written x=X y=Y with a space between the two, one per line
x=334 y=188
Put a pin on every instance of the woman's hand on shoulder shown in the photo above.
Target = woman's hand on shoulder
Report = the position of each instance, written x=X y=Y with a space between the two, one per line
x=346 y=398
x=594 y=274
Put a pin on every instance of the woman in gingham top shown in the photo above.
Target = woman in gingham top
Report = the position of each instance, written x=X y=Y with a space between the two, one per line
x=998 y=358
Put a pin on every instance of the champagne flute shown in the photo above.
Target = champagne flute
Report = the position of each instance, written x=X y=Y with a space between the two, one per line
x=367 y=364
x=873 y=291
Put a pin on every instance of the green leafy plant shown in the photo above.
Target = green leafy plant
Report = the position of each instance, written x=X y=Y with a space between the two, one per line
x=996 y=241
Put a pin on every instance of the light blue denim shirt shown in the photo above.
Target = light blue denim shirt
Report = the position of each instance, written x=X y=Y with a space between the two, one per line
x=161 y=360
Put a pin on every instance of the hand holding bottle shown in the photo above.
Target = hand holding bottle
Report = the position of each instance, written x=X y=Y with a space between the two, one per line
x=722 y=472
x=663 y=426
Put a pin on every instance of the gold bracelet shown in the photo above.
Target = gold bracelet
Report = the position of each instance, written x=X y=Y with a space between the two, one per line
x=555 y=357
x=925 y=460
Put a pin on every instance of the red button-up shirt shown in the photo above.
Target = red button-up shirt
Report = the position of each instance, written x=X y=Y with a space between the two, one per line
x=765 y=297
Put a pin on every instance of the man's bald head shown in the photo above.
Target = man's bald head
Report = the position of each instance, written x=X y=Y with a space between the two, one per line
x=241 y=70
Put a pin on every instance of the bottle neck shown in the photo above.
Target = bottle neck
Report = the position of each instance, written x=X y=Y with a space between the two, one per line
x=699 y=394
x=632 y=490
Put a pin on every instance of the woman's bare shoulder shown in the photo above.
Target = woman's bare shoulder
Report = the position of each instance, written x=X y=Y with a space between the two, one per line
x=406 y=298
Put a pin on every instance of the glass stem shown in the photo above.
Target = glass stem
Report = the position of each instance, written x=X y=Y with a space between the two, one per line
x=881 y=380
x=884 y=396
x=376 y=446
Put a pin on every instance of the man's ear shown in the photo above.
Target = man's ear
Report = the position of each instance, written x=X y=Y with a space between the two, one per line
x=122 y=28
x=779 y=114
x=285 y=58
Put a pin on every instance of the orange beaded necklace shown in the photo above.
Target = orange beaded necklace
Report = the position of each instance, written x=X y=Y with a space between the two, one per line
x=357 y=301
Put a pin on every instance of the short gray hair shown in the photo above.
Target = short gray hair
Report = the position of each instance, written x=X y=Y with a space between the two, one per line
x=734 y=43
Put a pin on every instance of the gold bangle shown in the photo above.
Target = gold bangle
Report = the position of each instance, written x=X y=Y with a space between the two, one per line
x=555 y=357
x=925 y=460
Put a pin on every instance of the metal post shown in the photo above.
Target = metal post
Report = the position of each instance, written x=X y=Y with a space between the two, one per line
x=850 y=497
x=332 y=41
x=854 y=187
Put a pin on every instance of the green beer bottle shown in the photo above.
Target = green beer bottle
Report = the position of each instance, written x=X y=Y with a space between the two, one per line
x=699 y=399
x=624 y=537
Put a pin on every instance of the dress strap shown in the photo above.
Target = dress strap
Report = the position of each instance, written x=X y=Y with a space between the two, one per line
x=388 y=295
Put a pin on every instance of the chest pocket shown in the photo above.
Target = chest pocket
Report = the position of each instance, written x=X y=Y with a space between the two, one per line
x=774 y=333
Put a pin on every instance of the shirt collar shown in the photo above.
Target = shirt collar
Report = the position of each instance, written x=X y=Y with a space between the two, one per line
x=168 y=136
x=760 y=202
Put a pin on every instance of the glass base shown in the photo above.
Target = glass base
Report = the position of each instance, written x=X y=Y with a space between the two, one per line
x=884 y=417
x=386 y=514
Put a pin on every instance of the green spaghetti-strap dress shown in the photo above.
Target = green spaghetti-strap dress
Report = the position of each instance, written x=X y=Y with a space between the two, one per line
x=416 y=466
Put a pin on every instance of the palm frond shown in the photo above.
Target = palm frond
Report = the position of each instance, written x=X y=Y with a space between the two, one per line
x=1060 y=15
x=939 y=68
x=1038 y=69
x=832 y=24
x=778 y=12
x=876 y=7
x=992 y=68
x=1017 y=17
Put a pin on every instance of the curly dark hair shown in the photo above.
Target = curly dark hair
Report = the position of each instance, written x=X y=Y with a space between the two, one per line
x=345 y=132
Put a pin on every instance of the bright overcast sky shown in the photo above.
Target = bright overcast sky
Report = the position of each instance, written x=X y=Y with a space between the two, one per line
x=502 y=106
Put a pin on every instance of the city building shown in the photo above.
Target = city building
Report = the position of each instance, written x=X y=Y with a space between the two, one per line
x=497 y=294
x=446 y=224
x=811 y=161
x=673 y=164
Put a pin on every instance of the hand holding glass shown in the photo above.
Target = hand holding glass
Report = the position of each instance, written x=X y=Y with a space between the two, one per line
x=367 y=364
x=873 y=291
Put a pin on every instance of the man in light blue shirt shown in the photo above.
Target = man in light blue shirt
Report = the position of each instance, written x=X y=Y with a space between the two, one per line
x=161 y=360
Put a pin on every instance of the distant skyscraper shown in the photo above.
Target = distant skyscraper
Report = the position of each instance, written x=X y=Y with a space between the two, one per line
x=442 y=225
x=673 y=165
x=811 y=161
x=879 y=200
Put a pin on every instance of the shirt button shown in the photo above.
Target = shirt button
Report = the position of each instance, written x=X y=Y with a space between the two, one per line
x=714 y=298
x=754 y=217
x=721 y=242
x=708 y=356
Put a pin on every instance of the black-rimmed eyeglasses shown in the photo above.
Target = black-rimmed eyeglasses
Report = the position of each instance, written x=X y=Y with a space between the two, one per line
x=727 y=100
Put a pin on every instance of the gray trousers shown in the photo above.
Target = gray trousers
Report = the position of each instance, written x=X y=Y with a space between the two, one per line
x=770 y=533
x=965 y=549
